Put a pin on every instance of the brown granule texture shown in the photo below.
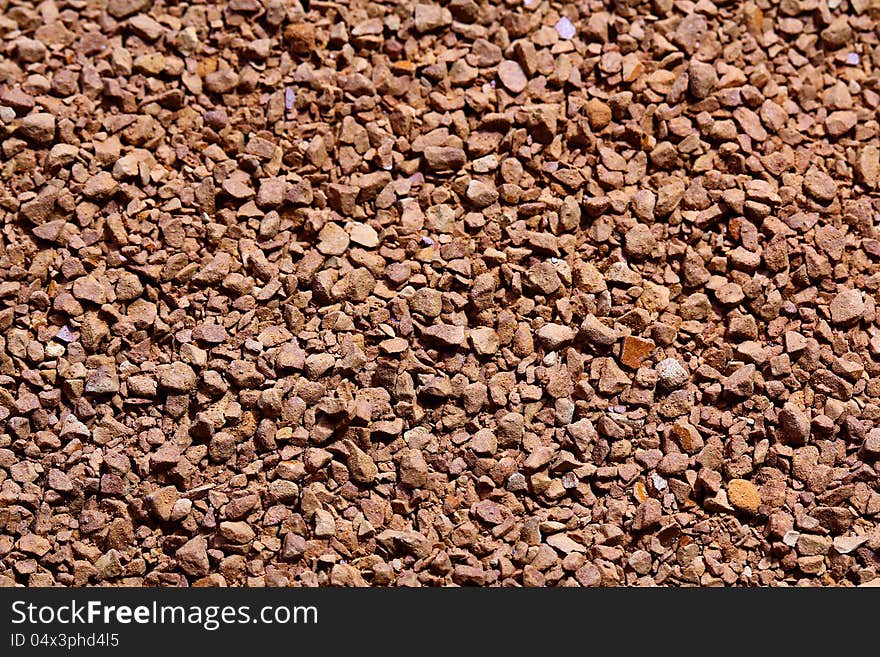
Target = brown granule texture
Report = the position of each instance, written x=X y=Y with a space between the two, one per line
x=306 y=293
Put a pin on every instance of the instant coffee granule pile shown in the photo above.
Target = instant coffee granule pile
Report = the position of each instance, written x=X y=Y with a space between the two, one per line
x=406 y=294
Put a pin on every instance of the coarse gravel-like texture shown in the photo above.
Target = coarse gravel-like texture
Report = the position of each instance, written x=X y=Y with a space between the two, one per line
x=406 y=294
